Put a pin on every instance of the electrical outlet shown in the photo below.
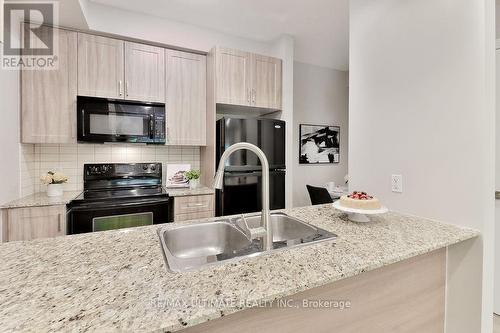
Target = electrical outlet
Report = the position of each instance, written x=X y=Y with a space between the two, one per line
x=397 y=183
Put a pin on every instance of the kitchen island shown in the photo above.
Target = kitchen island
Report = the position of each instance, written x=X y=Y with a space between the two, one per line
x=117 y=280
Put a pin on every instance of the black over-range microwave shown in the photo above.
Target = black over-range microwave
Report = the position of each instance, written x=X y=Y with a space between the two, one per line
x=110 y=120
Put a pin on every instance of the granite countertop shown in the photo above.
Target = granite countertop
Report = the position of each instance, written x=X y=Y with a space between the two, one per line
x=181 y=192
x=117 y=280
x=41 y=199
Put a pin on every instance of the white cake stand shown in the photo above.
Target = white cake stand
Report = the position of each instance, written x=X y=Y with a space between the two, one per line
x=359 y=215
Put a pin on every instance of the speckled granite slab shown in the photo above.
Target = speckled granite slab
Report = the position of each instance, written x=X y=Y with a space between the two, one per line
x=117 y=280
x=181 y=192
x=41 y=199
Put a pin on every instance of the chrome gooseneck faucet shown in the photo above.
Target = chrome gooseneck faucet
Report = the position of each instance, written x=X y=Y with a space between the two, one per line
x=265 y=230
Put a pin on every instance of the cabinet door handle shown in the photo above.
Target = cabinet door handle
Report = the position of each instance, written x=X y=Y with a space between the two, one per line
x=126 y=88
x=59 y=223
x=120 y=88
x=197 y=205
x=248 y=95
x=254 y=93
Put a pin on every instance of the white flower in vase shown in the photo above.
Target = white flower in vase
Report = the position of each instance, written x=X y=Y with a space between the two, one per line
x=54 y=182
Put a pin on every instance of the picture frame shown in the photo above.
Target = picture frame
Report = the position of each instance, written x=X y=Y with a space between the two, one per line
x=175 y=175
x=319 y=144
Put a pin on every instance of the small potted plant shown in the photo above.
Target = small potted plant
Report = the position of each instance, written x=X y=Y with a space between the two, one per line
x=193 y=176
x=54 y=182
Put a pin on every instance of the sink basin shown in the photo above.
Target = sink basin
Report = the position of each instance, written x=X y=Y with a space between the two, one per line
x=192 y=246
x=207 y=239
x=285 y=228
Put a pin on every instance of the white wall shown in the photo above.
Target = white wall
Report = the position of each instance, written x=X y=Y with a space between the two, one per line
x=497 y=188
x=422 y=105
x=9 y=135
x=9 y=132
x=497 y=15
x=320 y=98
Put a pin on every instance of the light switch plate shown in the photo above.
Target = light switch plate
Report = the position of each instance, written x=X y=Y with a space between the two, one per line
x=397 y=183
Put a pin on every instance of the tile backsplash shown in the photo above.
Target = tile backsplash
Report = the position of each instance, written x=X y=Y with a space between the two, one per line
x=70 y=158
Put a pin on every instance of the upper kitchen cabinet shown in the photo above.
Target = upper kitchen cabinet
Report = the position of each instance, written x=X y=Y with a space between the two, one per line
x=247 y=79
x=186 y=98
x=48 y=97
x=113 y=68
x=100 y=66
x=144 y=72
x=266 y=78
x=233 y=77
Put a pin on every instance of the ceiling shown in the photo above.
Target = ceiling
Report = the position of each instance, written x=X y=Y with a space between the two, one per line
x=73 y=16
x=320 y=27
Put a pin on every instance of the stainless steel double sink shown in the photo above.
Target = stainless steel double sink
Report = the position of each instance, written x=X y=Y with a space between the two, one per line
x=190 y=247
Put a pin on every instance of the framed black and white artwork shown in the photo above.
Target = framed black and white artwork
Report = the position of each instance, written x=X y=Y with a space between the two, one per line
x=319 y=144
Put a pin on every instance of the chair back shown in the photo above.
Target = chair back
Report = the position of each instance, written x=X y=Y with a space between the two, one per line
x=319 y=195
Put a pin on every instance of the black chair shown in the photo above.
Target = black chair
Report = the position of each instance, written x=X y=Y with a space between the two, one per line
x=319 y=195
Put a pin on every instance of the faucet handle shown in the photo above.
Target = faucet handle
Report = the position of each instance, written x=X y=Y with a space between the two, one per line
x=258 y=232
x=244 y=226
x=245 y=221
x=252 y=233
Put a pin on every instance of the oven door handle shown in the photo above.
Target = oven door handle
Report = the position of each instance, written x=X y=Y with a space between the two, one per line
x=114 y=205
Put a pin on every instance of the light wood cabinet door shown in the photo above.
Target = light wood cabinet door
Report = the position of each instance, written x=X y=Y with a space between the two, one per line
x=266 y=82
x=144 y=72
x=186 y=101
x=233 y=77
x=100 y=66
x=35 y=222
x=48 y=97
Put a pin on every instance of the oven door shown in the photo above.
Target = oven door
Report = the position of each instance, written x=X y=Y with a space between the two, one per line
x=101 y=120
x=101 y=217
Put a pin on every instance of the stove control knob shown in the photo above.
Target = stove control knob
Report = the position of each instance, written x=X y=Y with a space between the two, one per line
x=153 y=167
x=145 y=167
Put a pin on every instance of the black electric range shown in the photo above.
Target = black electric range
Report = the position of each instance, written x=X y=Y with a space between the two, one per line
x=119 y=195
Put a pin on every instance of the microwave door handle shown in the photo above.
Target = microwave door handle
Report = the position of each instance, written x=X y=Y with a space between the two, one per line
x=83 y=122
x=151 y=126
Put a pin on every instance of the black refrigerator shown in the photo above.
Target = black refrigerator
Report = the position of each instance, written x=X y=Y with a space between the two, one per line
x=242 y=188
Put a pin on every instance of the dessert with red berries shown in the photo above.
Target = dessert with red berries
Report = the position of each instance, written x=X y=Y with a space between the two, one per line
x=359 y=200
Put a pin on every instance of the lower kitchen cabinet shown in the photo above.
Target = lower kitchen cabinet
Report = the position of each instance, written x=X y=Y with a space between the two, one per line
x=33 y=222
x=193 y=207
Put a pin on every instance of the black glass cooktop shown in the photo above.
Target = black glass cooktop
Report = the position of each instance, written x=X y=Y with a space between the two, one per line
x=122 y=193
